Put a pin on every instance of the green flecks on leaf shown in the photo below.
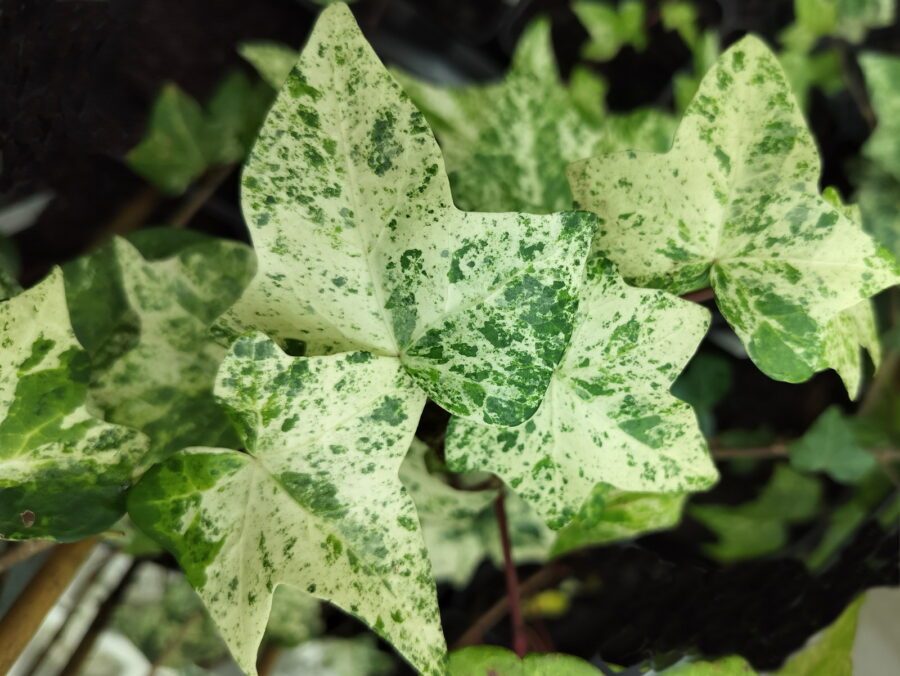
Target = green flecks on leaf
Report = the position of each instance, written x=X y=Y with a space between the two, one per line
x=608 y=416
x=63 y=471
x=316 y=505
x=737 y=196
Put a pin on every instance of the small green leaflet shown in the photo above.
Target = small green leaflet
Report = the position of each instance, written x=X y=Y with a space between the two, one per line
x=734 y=665
x=883 y=81
x=153 y=359
x=611 y=28
x=607 y=415
x=272 y=60
x=361 y=248
x=485 y=660
x=735 y=206
x=63 y=472
x=830 y=446
x=507 y=144
x=182 y=140
x=760 y=526
x=849 y=19
x=315 y=503
x=460 y=527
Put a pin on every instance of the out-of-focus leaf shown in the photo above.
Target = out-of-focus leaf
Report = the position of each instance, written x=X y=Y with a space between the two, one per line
x=830 y=446
x=294 y=618
x=611 y=27
x=879 y=201
x=703 y=384
x=760 y=526
x=830 y=653
x=883 y=82
x=357 y=656
x=272 y=60
x=486 y=660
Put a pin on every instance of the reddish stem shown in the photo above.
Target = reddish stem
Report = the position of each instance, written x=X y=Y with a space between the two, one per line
x=520 y=640
x=700 y=296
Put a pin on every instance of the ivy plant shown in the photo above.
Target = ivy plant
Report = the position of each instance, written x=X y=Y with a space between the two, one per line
x=512 y=253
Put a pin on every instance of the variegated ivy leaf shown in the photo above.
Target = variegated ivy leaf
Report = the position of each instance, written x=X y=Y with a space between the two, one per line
x=507 y=144
x=853 y=328
x=460 y=526
x=883 y=81
x=314 y=503
x=63 y=472
x=154 y=361
x=610 y=515
x=608 y=416
x=360 y=246
x=735 y=206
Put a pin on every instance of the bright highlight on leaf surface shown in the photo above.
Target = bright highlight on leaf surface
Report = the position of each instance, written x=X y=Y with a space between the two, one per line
x=63 y=471
x=360 y=246
x=735 y=206
x=145 y=324
x=507 y=144
x=608 y=415
x=315 y=502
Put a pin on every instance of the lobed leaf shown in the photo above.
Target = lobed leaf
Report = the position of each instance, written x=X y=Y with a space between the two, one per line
x=314 y=503
x=608 y=416
x=734 y=205
x=63 y=471
x=507 y=144
x=883 y=81
x=146 y=326
x=831 y=446
x=360 y=246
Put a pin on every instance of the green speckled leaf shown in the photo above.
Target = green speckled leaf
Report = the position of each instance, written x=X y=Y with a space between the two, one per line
x=360 y=246
x=507 y=144
x=608 y=415
x=484 y=660
x=272 y=60
x=460 y=526
x=611 y=27
x=63 y=472
x=610 y=515
x=830 y=446
x=883 y=82
x=735 y=206
x=154 y=361
x=315 y=502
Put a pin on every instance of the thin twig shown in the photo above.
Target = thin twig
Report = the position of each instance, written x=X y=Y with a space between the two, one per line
x=132 y=215
x=20 y=623
x=519 y=637
x=542 y=578
x=700 y=296
x=267 y=659
x=198 y=196
x=22 y=552
x=882 y=379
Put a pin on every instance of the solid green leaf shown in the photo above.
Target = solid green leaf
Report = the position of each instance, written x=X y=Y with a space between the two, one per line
x=460 y=526
x=607 y=415
x=879 y=201
x=146 y=327
x=506 y=144
x=830 y=446
x=849 y=19
x=805 y=71
x=611 y=27
x=272 y=60
x=484 y=660
x=735 y=206
x=360 y=246
x=734 y=665
x=831 y=652
x=63 y=471
x=314 y=503
x=610 y=515
x=760 y=526
x=882 y=73
x=174 y=151
x=703 y=384
x=233 y=115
